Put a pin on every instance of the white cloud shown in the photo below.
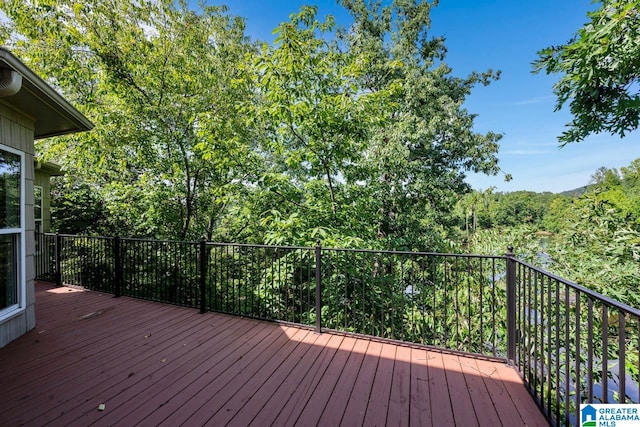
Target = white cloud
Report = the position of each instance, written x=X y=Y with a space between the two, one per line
x=535 y=100
x=523 y=152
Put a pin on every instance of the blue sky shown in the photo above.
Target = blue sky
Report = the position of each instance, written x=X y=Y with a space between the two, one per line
x=504 y=35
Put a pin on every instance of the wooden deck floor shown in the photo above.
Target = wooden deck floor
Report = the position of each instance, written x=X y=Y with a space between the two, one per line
x=153 y=364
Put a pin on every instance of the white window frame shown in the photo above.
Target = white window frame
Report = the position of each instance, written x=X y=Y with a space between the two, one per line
x=37 y=220
x=12 y=310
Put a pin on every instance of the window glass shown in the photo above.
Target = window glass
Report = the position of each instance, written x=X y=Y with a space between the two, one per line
x=8 y=270
x=9 y=190
x=37 y=203
x=11 y=232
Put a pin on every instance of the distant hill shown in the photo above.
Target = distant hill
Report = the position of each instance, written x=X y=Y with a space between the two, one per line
x=576 y=192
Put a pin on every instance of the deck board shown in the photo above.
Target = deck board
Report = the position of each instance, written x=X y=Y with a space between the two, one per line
x=287 y=391
x=268 y=377
x=300 y=396
x=420 y=406
x=400 y=397
x=357 y=405
x=315 y=407
x=185 y=380
x=439 y=393
x=336 y=406
x=154 y=364
x=378 y=405
x=477 y=389
x=463 y=410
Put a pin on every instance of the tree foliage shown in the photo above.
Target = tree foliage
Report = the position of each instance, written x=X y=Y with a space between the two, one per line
x=365 y=128
x=592 y=239
x=158 y=80
x=347 y=135
x=424 y=141
x=600 y=69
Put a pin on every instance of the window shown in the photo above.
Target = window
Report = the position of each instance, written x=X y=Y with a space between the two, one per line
x=37 y=207
x=37 y=214
x=12 y=287
x=8 y=271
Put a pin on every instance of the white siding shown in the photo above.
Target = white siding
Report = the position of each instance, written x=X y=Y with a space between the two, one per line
x=16 y=131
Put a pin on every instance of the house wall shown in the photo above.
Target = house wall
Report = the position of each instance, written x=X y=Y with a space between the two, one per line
x=17 y=131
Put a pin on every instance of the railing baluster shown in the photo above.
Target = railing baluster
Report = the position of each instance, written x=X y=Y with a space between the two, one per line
x=567 y=356
x=459 y=298
x=203 y=276
x=578 y=356
x=58 y=256
x=401 y=297
x=363 y=293
x=482 y=283
x=557 y=336
x=434 y=290
x=117 y=258
x=318 y=257
x=541 y=353
x=622 y=340
x=533 y=324
x=605 y=354
x=550 y=364
x=229 y=280
x=511 y=306
x=590 y=351
x=494 y=306
x=446 y=280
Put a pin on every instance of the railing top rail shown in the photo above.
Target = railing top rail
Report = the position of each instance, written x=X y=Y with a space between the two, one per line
x=309 y=248
x=415 y=253
x=595 y=295
x=140 y=239
x=76 y=236
x=374 y=251
x=249 y=245
x=130 y=239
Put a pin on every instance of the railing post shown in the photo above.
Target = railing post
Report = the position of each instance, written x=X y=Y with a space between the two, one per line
x=117 y=261
x=511 y=305
x=318 y=289
x=58 y=250
x=203 y=276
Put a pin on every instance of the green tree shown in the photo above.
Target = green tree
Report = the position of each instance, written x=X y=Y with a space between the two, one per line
x=365 y=134
x=606 y=177
x=600 y=69
x=161 y=83
x=423 y=144
x=76 y=208
x=556 y=213
x=631 y=176
x=314 y=119
x=347 y=135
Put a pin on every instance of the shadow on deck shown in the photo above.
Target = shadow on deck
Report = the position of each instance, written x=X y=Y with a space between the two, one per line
x=156 y=364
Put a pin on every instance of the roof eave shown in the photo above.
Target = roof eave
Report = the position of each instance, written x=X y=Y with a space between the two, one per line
x=38 y=96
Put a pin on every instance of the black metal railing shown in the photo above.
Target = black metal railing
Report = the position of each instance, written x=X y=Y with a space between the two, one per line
x=571 y=345
x=443 y=300
x=45 y=256
x=266 y=282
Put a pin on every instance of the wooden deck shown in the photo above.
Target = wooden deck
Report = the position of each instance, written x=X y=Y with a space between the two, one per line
x=153 y=364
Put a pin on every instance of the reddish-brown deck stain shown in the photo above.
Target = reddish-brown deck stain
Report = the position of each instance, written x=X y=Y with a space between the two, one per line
x=153 y=364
